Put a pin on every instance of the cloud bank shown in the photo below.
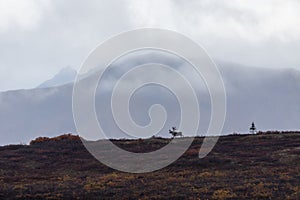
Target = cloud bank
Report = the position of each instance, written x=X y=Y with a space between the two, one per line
x=38 y=38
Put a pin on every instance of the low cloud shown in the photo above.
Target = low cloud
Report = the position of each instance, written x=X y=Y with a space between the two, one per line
x=38 y=38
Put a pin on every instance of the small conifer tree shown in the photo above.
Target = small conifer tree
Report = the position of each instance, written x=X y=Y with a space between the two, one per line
x=252 y=128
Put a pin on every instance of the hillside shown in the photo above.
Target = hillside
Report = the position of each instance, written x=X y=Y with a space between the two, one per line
x=261 y=166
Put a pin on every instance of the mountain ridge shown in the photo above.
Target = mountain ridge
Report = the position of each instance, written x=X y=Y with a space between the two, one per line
x=64 y=76
x=268 y=97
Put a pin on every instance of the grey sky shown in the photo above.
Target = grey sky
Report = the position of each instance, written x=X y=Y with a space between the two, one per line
x=39 y=37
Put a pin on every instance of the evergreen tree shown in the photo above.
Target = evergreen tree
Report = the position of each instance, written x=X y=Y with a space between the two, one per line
x=252 y=128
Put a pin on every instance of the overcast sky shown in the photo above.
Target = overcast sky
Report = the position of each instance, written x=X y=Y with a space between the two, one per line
x=39 y=37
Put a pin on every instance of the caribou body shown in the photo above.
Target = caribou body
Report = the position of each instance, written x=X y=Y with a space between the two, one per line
x=175 y=132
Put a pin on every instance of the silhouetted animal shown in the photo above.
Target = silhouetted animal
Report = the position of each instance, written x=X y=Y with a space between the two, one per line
x=174 y=132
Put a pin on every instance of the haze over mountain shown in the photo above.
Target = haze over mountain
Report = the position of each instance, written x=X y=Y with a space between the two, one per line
x=270 y=97
x=64 y=76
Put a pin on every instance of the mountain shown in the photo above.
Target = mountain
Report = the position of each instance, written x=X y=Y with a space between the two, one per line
x=64 y=76
x=269 y=97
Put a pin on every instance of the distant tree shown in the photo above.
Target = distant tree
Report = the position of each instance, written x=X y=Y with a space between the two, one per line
x=252 y=128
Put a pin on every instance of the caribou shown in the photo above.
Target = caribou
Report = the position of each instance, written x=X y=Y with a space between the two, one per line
x=174 y=132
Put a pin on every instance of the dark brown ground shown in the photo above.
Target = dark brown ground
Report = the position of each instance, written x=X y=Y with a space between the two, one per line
x=263 y=166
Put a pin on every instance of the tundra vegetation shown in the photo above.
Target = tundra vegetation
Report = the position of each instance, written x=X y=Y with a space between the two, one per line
x=261 y=166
